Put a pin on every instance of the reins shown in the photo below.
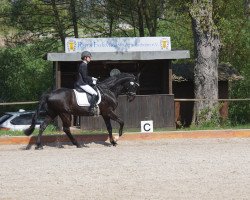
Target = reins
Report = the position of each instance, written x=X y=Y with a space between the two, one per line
x=100 y=89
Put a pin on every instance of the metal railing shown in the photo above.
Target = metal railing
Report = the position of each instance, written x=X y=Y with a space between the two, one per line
x=19 y=103
x=247 y=99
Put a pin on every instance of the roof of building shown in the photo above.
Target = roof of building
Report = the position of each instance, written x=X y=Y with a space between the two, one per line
x=185 y=72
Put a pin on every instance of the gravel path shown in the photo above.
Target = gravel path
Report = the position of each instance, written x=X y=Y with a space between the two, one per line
x=164 y=169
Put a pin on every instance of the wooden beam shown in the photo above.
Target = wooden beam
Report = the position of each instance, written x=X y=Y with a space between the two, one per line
x=58 y=74
x=58 y=85
x=170 y=78
x=165 y=77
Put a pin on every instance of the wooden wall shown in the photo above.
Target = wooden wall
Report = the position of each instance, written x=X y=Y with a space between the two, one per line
x=158 y=108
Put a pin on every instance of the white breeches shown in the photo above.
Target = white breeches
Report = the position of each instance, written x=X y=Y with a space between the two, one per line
x=88 y=89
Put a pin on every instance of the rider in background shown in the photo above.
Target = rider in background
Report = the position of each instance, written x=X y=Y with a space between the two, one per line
x=84 y=81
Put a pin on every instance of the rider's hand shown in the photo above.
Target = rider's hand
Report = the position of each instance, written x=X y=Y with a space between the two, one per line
x=94 y=80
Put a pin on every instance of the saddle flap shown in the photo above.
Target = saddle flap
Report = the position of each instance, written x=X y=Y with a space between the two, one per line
x=82 y=98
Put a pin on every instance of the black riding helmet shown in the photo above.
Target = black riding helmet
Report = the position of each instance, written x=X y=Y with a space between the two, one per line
x=85 y=54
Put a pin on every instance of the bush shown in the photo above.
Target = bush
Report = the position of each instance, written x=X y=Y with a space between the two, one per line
x=24 y=75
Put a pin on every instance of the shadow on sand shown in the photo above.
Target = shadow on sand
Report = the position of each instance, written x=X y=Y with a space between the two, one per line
x=58 y=141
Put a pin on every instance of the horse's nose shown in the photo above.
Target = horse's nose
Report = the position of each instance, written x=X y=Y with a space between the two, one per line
x=130 y=98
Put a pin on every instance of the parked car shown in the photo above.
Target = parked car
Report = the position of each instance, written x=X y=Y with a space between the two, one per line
x=18 y=120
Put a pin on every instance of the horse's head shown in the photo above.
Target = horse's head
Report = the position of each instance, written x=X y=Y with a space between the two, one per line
x=122 y=83
x=130 y=88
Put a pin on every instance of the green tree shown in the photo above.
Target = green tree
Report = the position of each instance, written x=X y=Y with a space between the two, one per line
x=35 y=19
x=233 y=21
x=24 y=75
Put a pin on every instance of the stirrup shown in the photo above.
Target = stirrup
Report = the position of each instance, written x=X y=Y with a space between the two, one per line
x=94 y=111
x=97 y=111
x=91 y=111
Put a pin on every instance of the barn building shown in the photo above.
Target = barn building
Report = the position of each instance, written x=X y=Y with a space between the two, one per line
x=155 y=99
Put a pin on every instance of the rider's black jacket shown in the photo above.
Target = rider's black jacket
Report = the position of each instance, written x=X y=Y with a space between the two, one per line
x=82 y=76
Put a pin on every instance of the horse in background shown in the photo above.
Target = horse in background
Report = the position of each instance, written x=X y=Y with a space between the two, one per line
x=62 y=102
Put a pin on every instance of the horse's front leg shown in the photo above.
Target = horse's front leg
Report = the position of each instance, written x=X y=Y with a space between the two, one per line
x=109 y=128
x=114 y=117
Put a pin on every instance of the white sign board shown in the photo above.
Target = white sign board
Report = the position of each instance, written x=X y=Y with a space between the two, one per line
x=121 y=44
x=147 y=126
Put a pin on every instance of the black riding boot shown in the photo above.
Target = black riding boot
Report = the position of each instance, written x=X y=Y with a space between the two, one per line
x=93 y=102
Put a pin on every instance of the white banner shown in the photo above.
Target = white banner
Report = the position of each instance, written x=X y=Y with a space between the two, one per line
x=121 y=44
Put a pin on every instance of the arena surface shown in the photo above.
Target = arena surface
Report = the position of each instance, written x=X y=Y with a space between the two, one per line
x=161 y=169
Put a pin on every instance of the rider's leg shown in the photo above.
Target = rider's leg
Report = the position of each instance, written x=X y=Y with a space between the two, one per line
x=93 y=102
x=94 y=98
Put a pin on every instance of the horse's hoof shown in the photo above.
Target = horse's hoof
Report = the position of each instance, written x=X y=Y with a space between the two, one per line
x=78 y=146
x=28 y=147
x=114 y=143
x=38 y=147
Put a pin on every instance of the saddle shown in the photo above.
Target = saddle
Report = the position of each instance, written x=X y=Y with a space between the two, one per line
x=83 y=98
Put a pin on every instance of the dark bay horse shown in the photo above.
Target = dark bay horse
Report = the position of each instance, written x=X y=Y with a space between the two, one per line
x=62 y=102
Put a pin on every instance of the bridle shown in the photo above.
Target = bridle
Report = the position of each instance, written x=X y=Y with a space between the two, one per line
x=131 y=84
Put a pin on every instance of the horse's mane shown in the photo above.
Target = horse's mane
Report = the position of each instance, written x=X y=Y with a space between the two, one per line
x=110 y=81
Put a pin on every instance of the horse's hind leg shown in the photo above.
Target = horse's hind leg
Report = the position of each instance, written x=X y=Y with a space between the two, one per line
x=43 y=126
x=66 y=120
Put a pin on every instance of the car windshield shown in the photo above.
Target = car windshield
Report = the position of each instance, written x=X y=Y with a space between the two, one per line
x=25 y=119
x=4 y=118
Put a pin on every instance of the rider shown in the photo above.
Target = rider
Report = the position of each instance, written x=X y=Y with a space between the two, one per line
x=84 y=81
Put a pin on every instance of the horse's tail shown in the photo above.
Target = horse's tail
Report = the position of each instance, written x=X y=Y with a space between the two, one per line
x=42 y=102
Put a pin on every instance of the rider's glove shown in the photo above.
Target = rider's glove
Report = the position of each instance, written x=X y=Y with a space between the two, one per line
x=94 y=80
